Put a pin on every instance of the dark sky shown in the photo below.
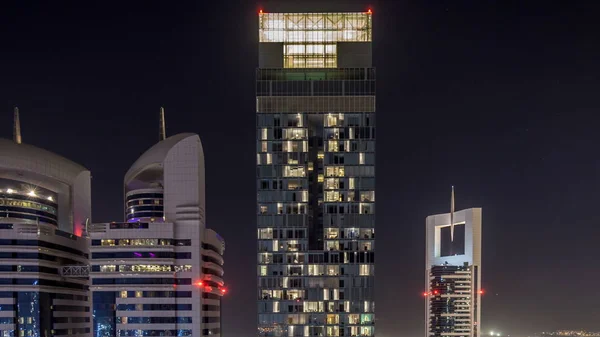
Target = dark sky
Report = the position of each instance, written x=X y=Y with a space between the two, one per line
x=499 y=98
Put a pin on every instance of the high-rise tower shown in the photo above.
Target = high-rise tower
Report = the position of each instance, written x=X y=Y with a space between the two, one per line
x=453 y=273
x=315 y=105
x=160 y=273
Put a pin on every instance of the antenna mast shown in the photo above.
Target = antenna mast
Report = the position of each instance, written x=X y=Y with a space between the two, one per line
x=162 y=133
x=17 y=127
x=452 y=215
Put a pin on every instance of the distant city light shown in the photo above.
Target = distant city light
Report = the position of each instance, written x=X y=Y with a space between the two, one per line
x=50 y=198
x=9 y=191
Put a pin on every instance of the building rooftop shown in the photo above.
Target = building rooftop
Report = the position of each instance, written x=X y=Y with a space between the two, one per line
x=315 y=27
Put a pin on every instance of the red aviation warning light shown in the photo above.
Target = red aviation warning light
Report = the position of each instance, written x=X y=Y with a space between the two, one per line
x=481 y=292
x=199 y=283
x=369 y=11
x=425 y=294
x=223 y=290
x=435 y=292
x=260 y=11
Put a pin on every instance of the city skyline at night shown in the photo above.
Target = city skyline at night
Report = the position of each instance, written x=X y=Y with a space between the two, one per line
x=495 y=98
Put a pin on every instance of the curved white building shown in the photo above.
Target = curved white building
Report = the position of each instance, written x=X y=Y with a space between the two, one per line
x=44 y=207
x=160 y=272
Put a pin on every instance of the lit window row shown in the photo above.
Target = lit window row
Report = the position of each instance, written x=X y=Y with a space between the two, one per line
x=334 y=245
x=136 y=242
x=329 y=319
x=280 y=208
x=270 y=233
x=153 y=268
x=349 y=233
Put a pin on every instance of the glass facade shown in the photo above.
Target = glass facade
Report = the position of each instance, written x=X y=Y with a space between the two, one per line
x=19 y=200
x=145 y=204
x=315 y=181
x=451 y=301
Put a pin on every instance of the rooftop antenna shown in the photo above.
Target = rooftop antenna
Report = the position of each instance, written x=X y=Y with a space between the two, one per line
x=17 y=127
x=162 y=133
x=452 y=215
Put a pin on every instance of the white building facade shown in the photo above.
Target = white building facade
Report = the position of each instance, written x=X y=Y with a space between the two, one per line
x=160 y=272
x=44 y=208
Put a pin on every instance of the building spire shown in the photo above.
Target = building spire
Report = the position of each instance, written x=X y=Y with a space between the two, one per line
x=452 y=215
x=162 y=134
x=17 y=127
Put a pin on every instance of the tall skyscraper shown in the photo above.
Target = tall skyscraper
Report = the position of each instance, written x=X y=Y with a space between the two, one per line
x=453 y=273
x=315 y=105
x=44 y=209
x=160 y=273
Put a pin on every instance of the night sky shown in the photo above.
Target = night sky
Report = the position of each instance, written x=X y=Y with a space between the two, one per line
x=498 y=98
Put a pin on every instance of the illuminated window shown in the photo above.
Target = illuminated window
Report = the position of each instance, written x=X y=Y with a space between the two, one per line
x=316 y=269
x=351 y=183
x=367 y=196
x=332 y=146
x=124 y=294
x=304 y=198
x=335 y=171
x=361 y=158
x=364 y=270
x=183 y=268
x=332 y=233
x=294 y=171
x=264 y=134
x=332 y=184
x=314 y=306
x=294 y=133
x=108 y=268
x=366 y=318
x=263 y=270
x=366 y=208
x=108 y=242
x=265 y=233
x=333 y=245
x=332 y=196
